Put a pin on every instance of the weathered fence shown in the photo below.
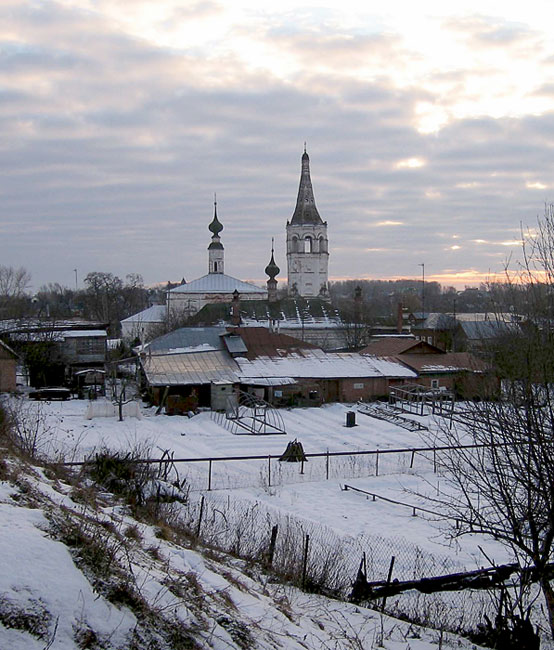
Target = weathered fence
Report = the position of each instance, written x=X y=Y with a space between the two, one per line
x=317 y=558
x=266 y=470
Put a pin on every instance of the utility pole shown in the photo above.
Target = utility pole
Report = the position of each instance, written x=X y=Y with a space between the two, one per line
x=422 y=288
x=75 y=271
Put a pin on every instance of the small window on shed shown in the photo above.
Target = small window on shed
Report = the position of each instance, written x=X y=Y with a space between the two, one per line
x=434 y=383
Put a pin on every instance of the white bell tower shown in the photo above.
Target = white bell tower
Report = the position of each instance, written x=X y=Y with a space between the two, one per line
x=307 y=243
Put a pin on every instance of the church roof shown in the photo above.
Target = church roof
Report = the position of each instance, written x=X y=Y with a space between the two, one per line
x=305 y=211
x=217 y=283
x=293 y=313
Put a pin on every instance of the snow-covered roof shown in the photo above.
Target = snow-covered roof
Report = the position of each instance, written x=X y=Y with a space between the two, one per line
x=154 y=314
x=487 y=329
x=217 y=283
x=322 y=365
x=47 y=325
x=56 y=335
x=74 y=334
x=268 y=381
x=447 y=362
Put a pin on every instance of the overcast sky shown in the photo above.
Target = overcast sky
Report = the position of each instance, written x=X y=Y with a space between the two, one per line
x=430 y=129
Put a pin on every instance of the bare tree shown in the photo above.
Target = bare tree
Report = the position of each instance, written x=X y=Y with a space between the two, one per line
x=505 y=487
x=13 y=285
x=14 y=282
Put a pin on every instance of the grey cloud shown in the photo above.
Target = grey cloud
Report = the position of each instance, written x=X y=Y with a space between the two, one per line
x=490 y=30
x=118 y=172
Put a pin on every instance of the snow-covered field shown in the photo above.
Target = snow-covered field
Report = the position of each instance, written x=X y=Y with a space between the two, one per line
x=45 y=600
x=308 y=495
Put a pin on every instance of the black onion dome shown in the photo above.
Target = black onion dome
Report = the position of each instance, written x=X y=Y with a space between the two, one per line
x=272 y=270
x=215 y=227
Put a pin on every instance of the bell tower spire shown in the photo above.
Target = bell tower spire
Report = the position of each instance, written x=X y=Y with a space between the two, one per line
x=216 y=251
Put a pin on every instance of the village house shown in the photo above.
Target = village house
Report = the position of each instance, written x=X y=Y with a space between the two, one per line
x=8 y=368
x=141 y=326
x=461 y=372
x=204 y=366
x=53 y=352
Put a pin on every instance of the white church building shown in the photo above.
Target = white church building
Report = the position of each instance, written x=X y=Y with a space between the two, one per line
x=307 y=266
x=215 y=287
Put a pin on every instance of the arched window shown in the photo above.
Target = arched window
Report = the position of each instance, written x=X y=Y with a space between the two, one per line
x=294 y=245
x=308 y=244
x=322 y=244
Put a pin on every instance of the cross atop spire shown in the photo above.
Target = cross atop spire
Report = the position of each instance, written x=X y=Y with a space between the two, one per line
x=305 y=211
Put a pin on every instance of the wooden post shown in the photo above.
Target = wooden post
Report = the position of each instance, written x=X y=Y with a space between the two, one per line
x=269 y=471
x=412 y=460
x=209 y=475
x=434 y=461
x=305 y=560
x=200 y=517
x=327 y=466
x=389 y=577
x=302 y=466
x=377 y=464
x=271 y=550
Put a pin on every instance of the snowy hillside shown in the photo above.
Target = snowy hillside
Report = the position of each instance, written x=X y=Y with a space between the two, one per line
x=81 y=571
x=78 y=572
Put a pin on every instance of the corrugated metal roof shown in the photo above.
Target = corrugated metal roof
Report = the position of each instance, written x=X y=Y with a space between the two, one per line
x=234 y=344
x=218 y=283
x=188 y=337
x=438 y=321
x=193 y=368
x=487 y=329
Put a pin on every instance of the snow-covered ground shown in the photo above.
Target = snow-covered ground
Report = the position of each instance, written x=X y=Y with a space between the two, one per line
x=46 y=601
x=283 y=487
x=279 y=490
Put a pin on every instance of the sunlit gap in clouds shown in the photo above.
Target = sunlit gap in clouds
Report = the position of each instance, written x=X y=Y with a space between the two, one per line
x=458 y=57
x=457 y=279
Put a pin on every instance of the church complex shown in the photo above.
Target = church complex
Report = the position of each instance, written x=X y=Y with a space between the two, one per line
x=307 y=262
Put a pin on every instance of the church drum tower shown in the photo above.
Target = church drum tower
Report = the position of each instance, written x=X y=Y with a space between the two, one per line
x=307 y=243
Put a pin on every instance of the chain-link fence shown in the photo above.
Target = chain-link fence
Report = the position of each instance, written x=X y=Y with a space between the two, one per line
x=319 y=559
